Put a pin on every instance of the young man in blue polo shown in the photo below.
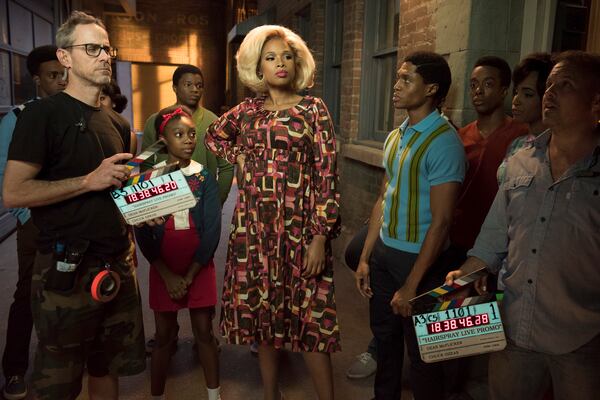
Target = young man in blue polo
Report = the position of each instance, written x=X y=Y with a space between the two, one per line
x=424 y=164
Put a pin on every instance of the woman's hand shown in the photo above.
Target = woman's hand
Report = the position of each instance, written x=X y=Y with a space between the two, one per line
x=192 y=272
x=363 y=284
x=314 y=259
x=241 y=161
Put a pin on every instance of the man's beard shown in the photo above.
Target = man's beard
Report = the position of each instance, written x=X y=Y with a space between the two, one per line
x=95 y=78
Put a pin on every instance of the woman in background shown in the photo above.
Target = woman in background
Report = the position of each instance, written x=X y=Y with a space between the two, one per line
x=529 y=84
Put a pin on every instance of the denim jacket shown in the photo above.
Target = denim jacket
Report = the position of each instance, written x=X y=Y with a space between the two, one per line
x=547 y=229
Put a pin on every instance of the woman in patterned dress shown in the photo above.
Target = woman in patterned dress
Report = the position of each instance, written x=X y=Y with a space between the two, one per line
x=278 y=285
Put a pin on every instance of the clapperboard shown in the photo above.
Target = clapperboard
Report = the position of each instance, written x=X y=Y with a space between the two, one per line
x=459 y=327
x=154 y=193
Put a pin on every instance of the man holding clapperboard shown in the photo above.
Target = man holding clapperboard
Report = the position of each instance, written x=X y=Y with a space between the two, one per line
x=545 y=221
x=66 y=154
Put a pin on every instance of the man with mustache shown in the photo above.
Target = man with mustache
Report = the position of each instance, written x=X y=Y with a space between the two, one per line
x=545 y=221
x=66 y=154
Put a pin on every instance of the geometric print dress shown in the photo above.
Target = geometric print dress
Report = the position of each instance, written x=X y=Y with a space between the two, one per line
x=288 y=193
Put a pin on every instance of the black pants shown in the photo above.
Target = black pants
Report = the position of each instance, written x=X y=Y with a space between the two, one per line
x=354 y=248
x=388 y=272
x=18 y=331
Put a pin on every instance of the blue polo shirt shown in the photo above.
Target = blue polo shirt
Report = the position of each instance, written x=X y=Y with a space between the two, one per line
x=416 y=158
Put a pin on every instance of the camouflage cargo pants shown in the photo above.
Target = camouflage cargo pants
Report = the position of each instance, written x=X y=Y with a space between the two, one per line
x=74 y=331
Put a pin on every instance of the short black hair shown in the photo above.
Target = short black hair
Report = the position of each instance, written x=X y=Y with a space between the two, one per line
x=500 y=64
x=586 y=64
x=433 y=68
x=113 y=91
x=159 y=116
x=185 y=69
x=536 y=62
x=40 y=55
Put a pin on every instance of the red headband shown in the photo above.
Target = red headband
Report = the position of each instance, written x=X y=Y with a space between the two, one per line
x=167 y=117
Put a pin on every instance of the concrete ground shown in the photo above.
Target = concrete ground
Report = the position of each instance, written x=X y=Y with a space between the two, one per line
x=240 y=376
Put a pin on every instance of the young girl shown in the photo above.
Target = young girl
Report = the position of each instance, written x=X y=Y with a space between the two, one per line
x=279 y=285
x=180 y=251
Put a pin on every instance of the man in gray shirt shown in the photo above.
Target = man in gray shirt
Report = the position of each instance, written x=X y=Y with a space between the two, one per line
x=545 y=220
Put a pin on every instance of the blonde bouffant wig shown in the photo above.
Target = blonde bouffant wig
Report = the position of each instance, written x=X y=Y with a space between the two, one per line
x=248 y=57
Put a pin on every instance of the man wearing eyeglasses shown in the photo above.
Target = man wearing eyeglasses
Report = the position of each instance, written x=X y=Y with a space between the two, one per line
x=49 y=78
x=66 y=154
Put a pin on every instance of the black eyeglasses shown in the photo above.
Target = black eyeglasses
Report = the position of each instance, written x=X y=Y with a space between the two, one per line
x=93 y=49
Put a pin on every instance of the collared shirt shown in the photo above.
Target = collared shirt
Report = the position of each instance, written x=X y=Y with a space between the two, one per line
x=516 y=145
x=549 y=232
x=7 y=127
x=416 y=158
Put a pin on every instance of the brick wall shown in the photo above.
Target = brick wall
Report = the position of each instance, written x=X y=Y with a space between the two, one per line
x=417 y=31
x=354 y=16
x=317 y=43
x=359 y=182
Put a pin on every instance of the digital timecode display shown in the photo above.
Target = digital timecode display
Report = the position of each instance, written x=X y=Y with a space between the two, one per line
x=458 y=323
x=151 y=192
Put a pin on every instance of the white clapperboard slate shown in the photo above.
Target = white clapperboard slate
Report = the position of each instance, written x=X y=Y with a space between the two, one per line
x=459 y=327
x=154 y=193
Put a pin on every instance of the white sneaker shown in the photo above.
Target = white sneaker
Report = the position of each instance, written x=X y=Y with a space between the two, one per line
x=363 y=367
x=15 y=388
